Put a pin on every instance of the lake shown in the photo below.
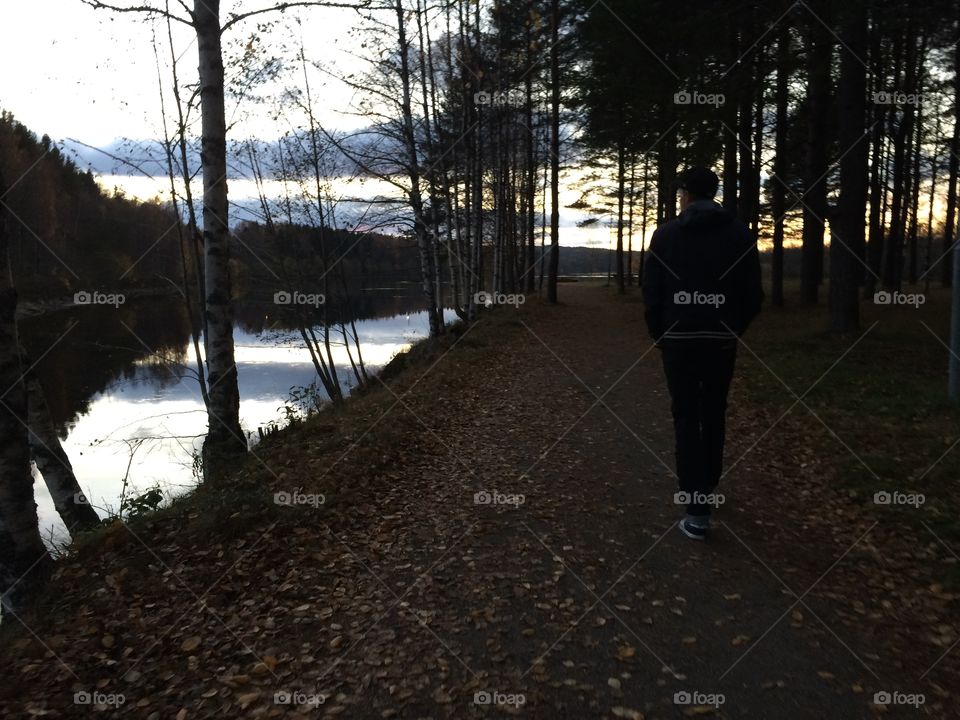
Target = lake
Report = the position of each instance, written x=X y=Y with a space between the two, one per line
x=122 y=389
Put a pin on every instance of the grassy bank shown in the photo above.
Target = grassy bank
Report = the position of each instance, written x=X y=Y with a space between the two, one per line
x=874 y=408
x=332 y=454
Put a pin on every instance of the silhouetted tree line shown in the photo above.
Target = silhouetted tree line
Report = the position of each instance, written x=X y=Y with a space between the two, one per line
x=365 y=259
x=823 y=119
x=67 y=234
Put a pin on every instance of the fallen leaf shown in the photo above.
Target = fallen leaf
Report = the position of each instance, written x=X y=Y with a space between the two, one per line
x=247 y=699
x=700 y=710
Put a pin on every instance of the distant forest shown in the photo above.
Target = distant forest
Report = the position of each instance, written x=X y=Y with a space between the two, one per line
x=65 y=225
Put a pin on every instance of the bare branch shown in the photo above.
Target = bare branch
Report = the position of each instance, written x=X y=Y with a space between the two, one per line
x=234 y=18
x=146 y=9
x=110 y=155
x=356 y=159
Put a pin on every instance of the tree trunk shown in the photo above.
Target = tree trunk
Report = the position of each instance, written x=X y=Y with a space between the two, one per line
x=819 y=51
x=667 y=172
x=421 y=231
x=729 y=136
x=425 y=80
x=531 y=177
x=893 y=265
x=621 y=189
x=954 y=171
x=847 y=238
x=554 y=266
x=23 y=560
x=643 y=218
x=476 y=258
x=225 y=440
x=745 y=131
x=631 y=202
x=778 y=204
x=193 y=251
x=931 y=198
x=759 y=110
x=913 y=259
x=874 y=249
x=53 y=463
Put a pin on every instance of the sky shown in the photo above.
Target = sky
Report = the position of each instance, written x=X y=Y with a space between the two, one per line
x=90 y=76
x=63 y=85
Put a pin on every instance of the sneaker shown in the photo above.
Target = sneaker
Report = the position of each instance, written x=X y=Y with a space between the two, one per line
x=693 y=530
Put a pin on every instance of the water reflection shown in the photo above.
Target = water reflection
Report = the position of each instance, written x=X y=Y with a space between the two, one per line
x=122 y=388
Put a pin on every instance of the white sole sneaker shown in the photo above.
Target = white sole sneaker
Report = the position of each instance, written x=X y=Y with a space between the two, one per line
x=691 y=531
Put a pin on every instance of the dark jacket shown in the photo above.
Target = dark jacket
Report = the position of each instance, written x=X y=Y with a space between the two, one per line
x=701 y=280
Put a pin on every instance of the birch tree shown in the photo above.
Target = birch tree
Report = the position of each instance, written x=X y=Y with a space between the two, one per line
x=225 y=440
x=53 y=463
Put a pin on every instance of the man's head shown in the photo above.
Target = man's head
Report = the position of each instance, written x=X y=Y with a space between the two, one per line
x=696 y=183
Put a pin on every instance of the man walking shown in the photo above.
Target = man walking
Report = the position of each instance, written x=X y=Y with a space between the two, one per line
x=701 y=289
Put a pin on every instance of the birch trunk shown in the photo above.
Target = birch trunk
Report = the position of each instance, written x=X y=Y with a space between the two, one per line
x=225 y=440
x=54 y=465
x=427 y=269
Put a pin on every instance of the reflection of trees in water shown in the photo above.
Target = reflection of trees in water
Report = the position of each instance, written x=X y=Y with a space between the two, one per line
x=370 y=304
x=87 y=350
x=145 y=342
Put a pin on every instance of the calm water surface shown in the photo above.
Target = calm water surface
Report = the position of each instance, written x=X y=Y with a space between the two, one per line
x=122 y=389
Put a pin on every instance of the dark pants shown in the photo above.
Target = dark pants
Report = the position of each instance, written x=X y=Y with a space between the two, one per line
x=698 y=376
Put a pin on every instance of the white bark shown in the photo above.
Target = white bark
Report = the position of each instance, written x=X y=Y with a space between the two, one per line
x=225 y=439
x=54 y=465
x=413 y=171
